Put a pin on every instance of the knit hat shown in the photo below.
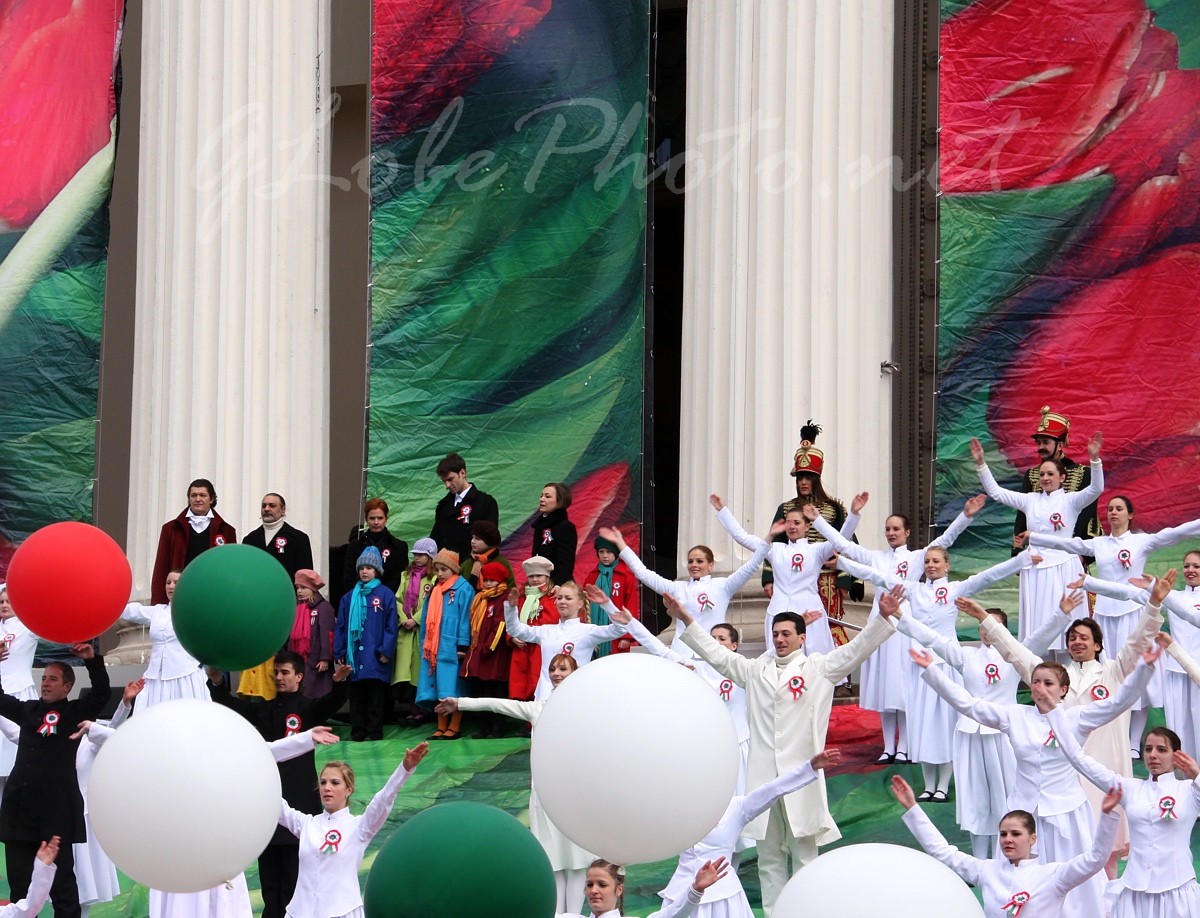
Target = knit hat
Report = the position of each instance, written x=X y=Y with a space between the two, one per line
x=603 y=544
x=447 y=558
x=537 y=565
x=425 y=546
x=486 y=532
x=494 y=570
x=310 y=579
x=370 y=557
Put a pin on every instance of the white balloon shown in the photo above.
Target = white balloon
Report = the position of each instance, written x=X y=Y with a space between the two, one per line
x=184 y=796
x=866 y=881
x=634 y=758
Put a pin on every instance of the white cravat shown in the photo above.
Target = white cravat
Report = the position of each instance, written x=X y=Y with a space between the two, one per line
x=199 y=523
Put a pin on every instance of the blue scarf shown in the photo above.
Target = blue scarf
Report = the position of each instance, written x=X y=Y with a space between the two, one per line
x=358 y=616
x=604 y=579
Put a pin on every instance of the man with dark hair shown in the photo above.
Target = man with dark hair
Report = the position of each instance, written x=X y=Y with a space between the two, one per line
x=287 y=714
x=278 y=538
x=41 y=797
x=197 y=529
x=1050 y=439
x=463 y=505
x=789 y=697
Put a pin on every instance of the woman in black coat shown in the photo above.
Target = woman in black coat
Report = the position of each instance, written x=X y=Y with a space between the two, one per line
x=554 y=535
x=394 y=551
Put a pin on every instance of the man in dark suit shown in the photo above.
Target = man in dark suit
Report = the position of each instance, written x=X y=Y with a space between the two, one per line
x=41 y=798
x=283 y=542
x=290 y=712
x=463 y=505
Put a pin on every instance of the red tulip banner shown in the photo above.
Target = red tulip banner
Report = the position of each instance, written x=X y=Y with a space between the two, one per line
x=1070 y=247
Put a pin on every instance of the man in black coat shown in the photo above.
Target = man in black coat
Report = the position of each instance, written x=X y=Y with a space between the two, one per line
x=41 y=798
x=463 y=505
x=286 y=544
x=288 y=713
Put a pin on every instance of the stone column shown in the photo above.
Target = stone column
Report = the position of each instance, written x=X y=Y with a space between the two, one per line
x=787 y=264
x=231 y=374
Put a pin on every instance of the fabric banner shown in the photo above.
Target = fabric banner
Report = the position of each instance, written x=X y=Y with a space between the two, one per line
x=58 y=111
x=508 y=239
x=1070 y=246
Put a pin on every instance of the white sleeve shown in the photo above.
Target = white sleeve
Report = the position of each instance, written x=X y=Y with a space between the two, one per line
x=659 y=584
x=1014 y=499
x=1172 y=535
x=1080 y=499
x=984 y=712
x=762 y=798
x=742 y=575
x=1096 y=772
x=953 y=531
x=291 y=819
x=650 y=641
x=1063 y=543
x=1185 y=660
x=517 y=710
x=1016 y=654
x=39 y=892
x=745 y=539
x=517 y=628
x=842 y=543
x=863 y=572
x=1079 y=868
x=137 y=613
x=1114 y=590
x=1095 y=715
x=292 y=747
x=947 y=648
x=995 y=574
x=381 y=804
x=936 y=846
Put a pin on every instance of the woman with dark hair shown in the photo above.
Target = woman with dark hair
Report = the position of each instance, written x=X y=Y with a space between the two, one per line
x=1159 y=879
x=1050 y=511
x=554 y=535
x=197 y=529
x=1019 y=882
x=375 y=534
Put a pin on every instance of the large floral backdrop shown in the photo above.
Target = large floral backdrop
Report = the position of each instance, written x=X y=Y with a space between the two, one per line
x=58 y=115
x=1070 y=132
x=508 y=228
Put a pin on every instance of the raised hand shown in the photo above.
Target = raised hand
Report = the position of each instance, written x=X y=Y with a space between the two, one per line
x=776 y=528
x=132 y=690
x=324 y=736
x=1142 y=583
x=1111 y=799
x=595 y=594
x=903 y=792
x=83 y=650
x=923 y=658
x=715 y=500
x=614 y=535
x=860 y=501
x=1151 y=656
x=889 y=602
x=514 y=597
x=215 y=676
x=1163 y=587
x=84 y=727
x=970 y=607
x=1163 y=640
x=977 y=451
x=707 y=875
x=1077 y=584
x=1094 y=445
x=676 y=610
x=1070 y=602
x=826 y=758
x=412 y=757
x=974 y=505
x=48 y=850
x=1186 y=764
x=810 y=512
x=810 y=617
x=1020 y=539
x=621 y=616
x=342 y=672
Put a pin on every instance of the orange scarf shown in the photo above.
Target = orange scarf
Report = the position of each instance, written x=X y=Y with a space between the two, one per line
x=433 y=622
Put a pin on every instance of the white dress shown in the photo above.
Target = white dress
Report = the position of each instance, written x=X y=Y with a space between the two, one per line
x=570 y=636
x=706 y=598
x=1045 y=784
x=1159 y=879
x=17 y=675
x=172 y=672
x=931 y=722
x=564 y=854
x=1052 y=514
x=883 y=677
x=1030 y=889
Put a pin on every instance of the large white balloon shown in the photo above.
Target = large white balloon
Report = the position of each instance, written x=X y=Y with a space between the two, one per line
x=184 y=796
x=634 y=758
x=866 y=881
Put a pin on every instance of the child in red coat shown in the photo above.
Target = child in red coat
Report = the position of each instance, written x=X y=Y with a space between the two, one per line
x=537 y=608
x=614 y=579
x=487 y=664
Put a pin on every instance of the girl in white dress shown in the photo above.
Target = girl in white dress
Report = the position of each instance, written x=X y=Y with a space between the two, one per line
x=1051 y=511
x=1045 y=783
x=606 y=890
x=1018 y=883
x=883 y=674
x=704 y=596
x=1159 y=879
x=572 y=635
x=16 y=671
x=333 y=842
x=931 y=723
x=567 y=859
x=172 y=672
x=1119 y=556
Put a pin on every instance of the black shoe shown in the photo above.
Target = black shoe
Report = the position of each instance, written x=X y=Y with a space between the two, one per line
x=357 y=737
x=885 y=759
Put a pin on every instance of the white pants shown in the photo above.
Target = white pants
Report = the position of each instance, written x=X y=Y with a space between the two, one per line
x=773 y=853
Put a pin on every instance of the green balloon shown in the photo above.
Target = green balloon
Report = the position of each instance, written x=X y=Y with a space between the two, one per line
x=233 y=607
x=461 y=860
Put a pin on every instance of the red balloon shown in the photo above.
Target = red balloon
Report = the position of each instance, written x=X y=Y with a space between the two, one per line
x=76 y=554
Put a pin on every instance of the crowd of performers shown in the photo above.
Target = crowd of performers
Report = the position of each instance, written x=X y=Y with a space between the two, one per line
x=1045 y=791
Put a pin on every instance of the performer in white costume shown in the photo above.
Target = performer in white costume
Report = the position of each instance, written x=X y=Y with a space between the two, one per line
x=16 y=672
x=172 y=672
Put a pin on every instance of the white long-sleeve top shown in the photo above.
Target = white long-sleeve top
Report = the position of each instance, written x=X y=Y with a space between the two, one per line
x=17 y=670
x=1045 y=784
x=570 y=636
x=1184 y=606
x=331 y=851
x=168 y=659
x=986 y=674
x=1117 y=557
x=680 y=908
x=707 y=598
x=789 y=700
x=1038 y=889
x=731 y=693
x=721 y=840
x=39 y=892
x=1052 y=514
x=1161 y=813
x=932 y=603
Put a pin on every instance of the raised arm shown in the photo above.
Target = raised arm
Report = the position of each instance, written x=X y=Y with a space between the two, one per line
x=1172 y=535
x=947 y=648
x=517 y=628
x=763 y=797
x=1095 y=715
x=1009 y=498
x=995 y=574
x=719 y=657
x=518 y=710
x=957 y=526
x=842 y=544
x=659 y=584
x=90 y=705
x=742 y=575
x=865 y=572
x=1114 y=590
x=984 y=712
x=1140 y=639
x=650 y=641
x=381 y=804
x=1070 y=874
x=1022 y=659
x=936 y=846
x=1096 y=772
x=1080 y=499
x=1063 y=543
x=841 y=661
x=137 y=613
x=725 y=517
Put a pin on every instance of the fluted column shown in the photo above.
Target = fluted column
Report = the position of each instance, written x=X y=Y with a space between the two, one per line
x=787 y=260
x=231 y=374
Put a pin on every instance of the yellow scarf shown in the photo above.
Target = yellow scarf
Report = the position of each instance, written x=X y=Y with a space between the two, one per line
x=479 y=609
